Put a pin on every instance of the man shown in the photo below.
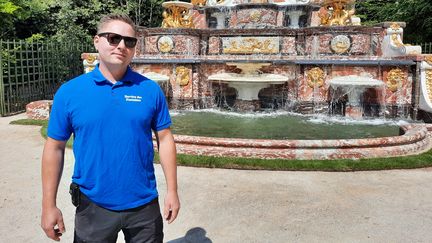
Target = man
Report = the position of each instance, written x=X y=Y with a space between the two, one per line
x=111 y=112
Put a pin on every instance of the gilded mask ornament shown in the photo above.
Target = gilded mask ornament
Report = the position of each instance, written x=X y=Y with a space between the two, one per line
x=394 y=79
x=182 y=75
x=315 y=77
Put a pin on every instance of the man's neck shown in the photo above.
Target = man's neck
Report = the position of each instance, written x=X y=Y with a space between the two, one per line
x=112 y=73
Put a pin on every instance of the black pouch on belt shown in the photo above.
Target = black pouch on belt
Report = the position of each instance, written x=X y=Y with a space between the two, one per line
x=75 y=194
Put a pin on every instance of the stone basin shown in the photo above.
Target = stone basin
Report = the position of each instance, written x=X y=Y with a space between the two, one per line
x=249 y=82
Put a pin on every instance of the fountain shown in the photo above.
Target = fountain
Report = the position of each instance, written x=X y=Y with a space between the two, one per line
x=301 y=56
x=248 y=83
x=304 y=45
x=354 y=86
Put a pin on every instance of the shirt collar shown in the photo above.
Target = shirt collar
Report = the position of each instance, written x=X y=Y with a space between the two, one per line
x=99 y=78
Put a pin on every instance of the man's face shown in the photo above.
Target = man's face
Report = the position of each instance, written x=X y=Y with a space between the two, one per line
x=115 y=54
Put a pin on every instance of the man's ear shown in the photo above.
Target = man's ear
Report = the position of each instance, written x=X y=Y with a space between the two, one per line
x=96 y=39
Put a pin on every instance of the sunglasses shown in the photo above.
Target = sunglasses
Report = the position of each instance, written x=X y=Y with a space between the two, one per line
x=114 y=39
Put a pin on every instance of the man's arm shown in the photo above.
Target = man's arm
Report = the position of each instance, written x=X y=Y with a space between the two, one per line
x=167 y=154
x=52 y=168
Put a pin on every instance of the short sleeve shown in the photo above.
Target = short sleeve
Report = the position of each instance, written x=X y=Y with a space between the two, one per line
x=161 y=119
x=59 y=125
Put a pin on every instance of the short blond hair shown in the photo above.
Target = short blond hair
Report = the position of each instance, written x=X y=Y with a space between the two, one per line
x=115 y=16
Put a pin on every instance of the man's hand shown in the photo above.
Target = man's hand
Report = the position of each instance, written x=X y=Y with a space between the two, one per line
x=51 y=218
x=171 y=207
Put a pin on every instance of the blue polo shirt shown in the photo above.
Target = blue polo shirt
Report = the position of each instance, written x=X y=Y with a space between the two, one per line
x=111 y=124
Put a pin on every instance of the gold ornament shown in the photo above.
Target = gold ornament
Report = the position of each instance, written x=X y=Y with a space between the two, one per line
x=336 y=13
x=90 y=61
x=255 y=16
x=200 y=3
x=177 y=16
x=315 y=77
x=250 y=45
x=429 y=83
x=340 y=44
x=182 y=75
x=165 y=44
x=394 y=79
x=395 y=26
x=396 y=41
x=91 y=58
x=428 y=59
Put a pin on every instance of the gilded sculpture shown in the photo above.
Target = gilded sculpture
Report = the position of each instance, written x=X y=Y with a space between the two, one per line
x=396 y=41
x=177 y=16
x=90 y=62
x=336 y=13
x=315 y=77
x=200 y=3
x=91 y=58
x=182 y=75
x=395 y=26
x=168 y=20
x=394 y=79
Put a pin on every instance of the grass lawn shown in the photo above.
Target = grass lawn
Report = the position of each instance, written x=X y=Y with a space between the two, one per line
x=406 y=162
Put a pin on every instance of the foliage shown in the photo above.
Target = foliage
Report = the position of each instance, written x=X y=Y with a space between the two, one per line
x=8 y=7
x=416 y=13
x=147 y=13
x=34 y=38
x=71 y=20
x=8 y=11
x=77 y=20
x=20 y=19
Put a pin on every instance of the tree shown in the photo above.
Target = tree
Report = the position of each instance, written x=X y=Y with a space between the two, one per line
x=22 y=18
x=77 y=19
x=72 y=20
x=416 y=13
x=147 y=13
x=8 y=12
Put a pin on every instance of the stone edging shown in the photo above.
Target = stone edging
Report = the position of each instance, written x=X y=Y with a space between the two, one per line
x=416 y=139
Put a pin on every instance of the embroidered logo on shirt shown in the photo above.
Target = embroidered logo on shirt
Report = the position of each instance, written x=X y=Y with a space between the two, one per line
x=133 y=98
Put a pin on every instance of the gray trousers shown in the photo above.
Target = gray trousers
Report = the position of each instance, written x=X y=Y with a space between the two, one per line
x=96 y=224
